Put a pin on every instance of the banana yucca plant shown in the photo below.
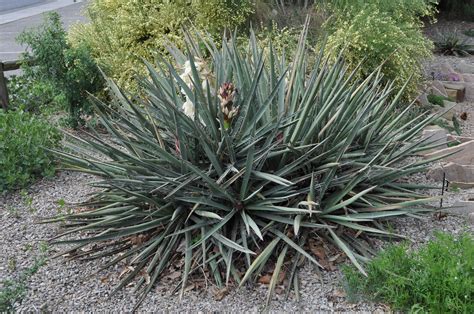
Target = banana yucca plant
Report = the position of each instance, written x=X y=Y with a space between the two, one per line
x=229 y=164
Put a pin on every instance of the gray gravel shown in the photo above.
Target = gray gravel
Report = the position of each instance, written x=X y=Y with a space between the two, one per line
x=64 y=285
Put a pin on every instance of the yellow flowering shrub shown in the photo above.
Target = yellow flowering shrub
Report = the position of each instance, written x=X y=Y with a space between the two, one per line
x=122 y=32
x=376 y=35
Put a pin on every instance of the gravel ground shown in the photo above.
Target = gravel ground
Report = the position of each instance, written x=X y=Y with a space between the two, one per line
x=66 y=285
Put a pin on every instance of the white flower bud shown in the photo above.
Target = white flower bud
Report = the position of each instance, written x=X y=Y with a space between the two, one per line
x=188 y=108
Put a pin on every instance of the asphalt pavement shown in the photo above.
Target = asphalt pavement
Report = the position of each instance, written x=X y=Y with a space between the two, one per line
x=6 y=5
x=31 y=16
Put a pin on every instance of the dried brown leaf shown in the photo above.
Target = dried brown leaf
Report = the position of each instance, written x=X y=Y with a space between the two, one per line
x=220 y=294
x=265 y=279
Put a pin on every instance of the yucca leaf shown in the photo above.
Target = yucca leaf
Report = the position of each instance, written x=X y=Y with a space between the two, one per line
x=278 y=156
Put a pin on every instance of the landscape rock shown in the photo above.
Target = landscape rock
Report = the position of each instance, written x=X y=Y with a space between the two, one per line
x=455 y=90
x=448 y=115
x=468 y=78
x=462 y=154
x=466 y=68
x=446 y=68
x=448 y=103
x=423 y=99
x=454 y=172
x=462 y=208
x=439 y=87
x=471 y=218
x=469 y=91
x=438 y=92
x=461 y=139
x=435 y=135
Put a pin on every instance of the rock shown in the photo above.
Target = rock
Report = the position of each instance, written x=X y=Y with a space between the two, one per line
x=463 y=207
x=448 y=115
x=435 y=135
x=446 y=68
x=461 y=185
x=471 y=218
x=448 y=103
x=462 y=139
x=439 y=92
x=436 y=173
x=423 y=99
x=462 y=154
x=455 y=90
x=454 y=172
x=466 y=68
x=468 y=78
x=439 y=87
x=469 y=91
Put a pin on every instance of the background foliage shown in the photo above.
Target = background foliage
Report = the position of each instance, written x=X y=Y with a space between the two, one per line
x=123 y=32
x=381 y=32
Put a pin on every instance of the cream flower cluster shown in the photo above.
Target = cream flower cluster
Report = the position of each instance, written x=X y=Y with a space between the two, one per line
x=205 y=77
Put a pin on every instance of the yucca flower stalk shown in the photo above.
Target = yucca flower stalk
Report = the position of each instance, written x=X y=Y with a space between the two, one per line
x=227 y=95
x=246 y=185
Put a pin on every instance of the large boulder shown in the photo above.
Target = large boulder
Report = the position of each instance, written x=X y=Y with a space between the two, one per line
x=454 y=173
x=435 y=135
x=437 y=88
x=423 y=100
x=469 y=91
x=457 y=138
x=463 y=207
x=466 y=68
x=462 y=154
x=456 y=90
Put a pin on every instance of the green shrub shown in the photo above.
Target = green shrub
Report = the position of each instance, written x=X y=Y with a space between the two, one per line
x=377 y=32
x=439 y=278
x=437 y=99
x=69 y=72
x=122 y=32
x=230 y=167
x=23 y=158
